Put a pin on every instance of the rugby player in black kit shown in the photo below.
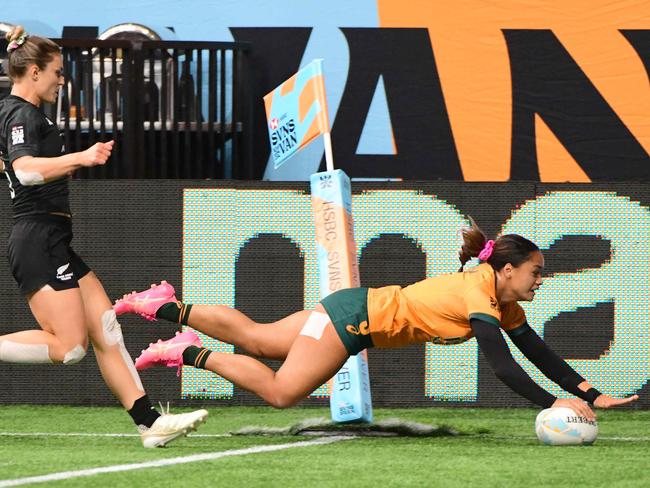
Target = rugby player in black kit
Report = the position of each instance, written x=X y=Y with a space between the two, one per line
x=66 y=298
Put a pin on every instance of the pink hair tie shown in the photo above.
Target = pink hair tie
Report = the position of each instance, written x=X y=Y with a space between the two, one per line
x=15 y=44
x=486 y=252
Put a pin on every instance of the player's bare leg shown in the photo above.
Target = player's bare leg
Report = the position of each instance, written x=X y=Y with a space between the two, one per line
x=310 y=363
x=113 y=359
x=63 y=338
x=120 y=374
x=271 y=340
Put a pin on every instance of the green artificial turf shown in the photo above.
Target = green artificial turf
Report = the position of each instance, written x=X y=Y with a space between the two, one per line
x=495 y=447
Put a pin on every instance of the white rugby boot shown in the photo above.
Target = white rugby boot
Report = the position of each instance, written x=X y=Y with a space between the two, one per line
x=170 y=426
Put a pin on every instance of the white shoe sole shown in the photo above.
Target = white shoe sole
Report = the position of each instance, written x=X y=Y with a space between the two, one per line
x=162 y=442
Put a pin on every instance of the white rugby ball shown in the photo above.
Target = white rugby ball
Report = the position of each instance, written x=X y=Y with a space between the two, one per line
x=561 y=426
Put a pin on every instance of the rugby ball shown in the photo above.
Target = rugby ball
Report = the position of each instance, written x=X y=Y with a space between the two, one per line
x=561 y=426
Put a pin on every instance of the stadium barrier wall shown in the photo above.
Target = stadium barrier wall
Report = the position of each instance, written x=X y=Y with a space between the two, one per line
x=251 y=245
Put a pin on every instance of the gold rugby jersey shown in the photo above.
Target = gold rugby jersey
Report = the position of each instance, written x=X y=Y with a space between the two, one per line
x=438 y=309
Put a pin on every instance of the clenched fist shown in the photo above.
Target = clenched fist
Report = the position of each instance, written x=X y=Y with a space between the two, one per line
x=97 y=154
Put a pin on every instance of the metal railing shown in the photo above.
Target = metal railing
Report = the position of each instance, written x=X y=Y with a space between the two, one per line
x=175 y=109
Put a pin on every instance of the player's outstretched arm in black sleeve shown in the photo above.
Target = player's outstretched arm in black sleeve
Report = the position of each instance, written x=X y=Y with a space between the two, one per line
x=557 y=369
x=548 y=362
x=496 y=352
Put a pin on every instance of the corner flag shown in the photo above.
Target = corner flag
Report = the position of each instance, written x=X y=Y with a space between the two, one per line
x=296 y=114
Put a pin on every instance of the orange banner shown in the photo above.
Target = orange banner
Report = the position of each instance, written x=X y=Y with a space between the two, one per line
x=475 y=64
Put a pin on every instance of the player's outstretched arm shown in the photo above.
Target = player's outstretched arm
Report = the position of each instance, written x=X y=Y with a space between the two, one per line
x=496 y=352
x=558 y=370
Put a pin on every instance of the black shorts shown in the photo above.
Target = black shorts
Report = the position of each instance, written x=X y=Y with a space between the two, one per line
x=348 y=311
x=40 y=254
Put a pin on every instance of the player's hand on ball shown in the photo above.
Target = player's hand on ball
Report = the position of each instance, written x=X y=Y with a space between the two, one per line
x=578 y=406
x=606 y=401
x=97 y=154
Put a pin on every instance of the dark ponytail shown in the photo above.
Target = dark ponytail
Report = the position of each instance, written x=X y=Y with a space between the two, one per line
x=509 y=248
x=473 y=242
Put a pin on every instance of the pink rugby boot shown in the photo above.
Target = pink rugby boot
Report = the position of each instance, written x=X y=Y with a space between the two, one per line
x=146 y=303
x=167 y=353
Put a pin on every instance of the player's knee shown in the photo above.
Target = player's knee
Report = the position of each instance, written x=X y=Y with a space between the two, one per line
x=251 y=343
x=282 y=399
x=74 y=355
x=111 y=328
x=255 y=349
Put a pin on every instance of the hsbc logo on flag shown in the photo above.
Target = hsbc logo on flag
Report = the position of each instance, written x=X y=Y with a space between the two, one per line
x=284 y=139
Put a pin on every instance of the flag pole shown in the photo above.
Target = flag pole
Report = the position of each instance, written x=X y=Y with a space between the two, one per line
x=327 y=138
x=329 y=158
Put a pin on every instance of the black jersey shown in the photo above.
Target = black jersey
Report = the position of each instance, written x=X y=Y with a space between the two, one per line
x=25 y=131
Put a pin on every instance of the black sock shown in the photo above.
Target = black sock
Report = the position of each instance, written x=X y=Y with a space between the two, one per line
x=143 y=412
x=196 y=356
x=175 y=312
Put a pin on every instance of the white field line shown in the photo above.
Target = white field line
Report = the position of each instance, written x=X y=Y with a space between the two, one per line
x=209 y=456
x=214 y=436
x=600 y=437
x=632 y=439
x=91 y=434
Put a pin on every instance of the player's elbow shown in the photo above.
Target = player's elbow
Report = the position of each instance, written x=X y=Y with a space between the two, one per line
x=29 y=178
